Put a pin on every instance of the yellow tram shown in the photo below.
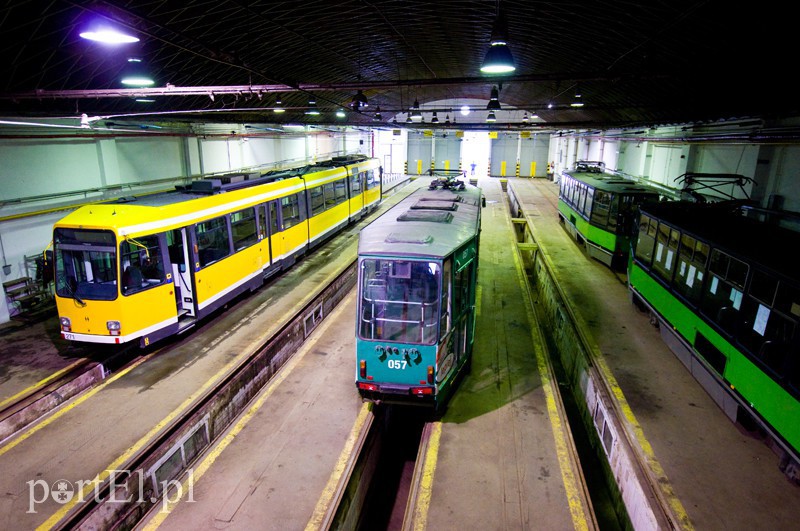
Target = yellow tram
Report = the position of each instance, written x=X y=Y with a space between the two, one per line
x=151 y=267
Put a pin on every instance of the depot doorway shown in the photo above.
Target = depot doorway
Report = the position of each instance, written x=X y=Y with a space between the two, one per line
x=476 y=147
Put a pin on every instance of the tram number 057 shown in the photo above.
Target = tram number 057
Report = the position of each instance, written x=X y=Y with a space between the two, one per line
x=397 y=364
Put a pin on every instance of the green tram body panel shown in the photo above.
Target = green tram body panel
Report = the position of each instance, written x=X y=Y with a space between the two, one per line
x=602 y=208
x=767 y=384
x=416 y=297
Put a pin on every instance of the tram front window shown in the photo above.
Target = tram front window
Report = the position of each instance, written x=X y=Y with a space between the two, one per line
x=399 y=301
x=85 y=263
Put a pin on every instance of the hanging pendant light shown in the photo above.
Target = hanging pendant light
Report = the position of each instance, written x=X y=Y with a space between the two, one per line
x=498 y=59
x=494 y=100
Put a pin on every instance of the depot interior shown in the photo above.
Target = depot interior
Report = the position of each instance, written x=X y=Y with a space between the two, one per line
x=114 y=99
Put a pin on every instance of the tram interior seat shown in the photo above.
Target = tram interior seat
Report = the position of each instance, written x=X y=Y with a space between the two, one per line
x=729 y=319
x=131 y=278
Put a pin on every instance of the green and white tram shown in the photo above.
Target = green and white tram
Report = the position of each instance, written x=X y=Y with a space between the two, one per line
x=726 y=294
x=599 y=210
x=418 y=266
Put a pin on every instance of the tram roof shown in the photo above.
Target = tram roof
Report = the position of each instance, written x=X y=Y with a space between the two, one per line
x=723 y=225
x=612 y=183
x=424 y=224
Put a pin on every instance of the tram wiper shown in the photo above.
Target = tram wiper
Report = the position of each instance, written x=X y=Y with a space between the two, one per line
x=72 y=290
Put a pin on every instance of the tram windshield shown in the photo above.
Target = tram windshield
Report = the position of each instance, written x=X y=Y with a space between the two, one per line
x=399 y=301
x=85 y=262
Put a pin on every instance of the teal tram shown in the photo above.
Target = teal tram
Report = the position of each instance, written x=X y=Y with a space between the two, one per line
x=726 y=293
x=418 y=266
x=599 y=210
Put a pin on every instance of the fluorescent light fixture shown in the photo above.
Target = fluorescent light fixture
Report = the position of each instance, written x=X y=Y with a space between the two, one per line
x=340 y=113
x=145 y=100
x=293 y=126
x=109 y=36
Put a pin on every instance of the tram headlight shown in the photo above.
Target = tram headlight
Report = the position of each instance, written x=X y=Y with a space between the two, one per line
x=113 y=327
x=66 y=324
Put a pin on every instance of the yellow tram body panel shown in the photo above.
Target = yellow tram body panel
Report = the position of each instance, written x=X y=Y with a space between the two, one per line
x=216 y=280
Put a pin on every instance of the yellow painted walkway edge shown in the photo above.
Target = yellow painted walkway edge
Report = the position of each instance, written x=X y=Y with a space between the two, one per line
x=426 y=482
x=40 y=383
x=329 y=492
x=576 y=498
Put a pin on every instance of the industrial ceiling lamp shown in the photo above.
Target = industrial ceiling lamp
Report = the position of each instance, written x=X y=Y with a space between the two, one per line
x=577 y=101
x=434 y=119
x=278 y=105
x=359 y=101
x=494 y=101
x=498 y=59
x=415 y=114
x=108 y=36
x=525 y=117
x=378 y=116
x=312 y=107
x=340 y=113
x=491 y=117
x=135 y=75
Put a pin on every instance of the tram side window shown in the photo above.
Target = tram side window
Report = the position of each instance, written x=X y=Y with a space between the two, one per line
x=213 y=240
x=317 y=200
x=766 y=332
x=262 y=221
x=613 y=213
x=691 y=268
x=648 y=228
x=602 y=205
x=666 y=250
x=141 y=263
x=587 y=210
x=243 y=227
x=581 y=199
x=355 y=183
x=290 y=208
x=340 y=191
x=449 y=310
x=723 y=291
x=330 y=197
x=372 y=182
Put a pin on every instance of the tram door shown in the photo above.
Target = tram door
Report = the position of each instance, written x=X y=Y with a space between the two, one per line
x=358 y=186
x=266 y=232
x=275 y=233
x=178 y=244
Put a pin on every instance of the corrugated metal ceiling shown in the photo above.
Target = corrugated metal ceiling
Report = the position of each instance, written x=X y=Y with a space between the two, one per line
x=635 y=64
